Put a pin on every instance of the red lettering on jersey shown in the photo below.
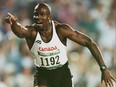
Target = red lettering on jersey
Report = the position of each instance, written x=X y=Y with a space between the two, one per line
x=47 y=49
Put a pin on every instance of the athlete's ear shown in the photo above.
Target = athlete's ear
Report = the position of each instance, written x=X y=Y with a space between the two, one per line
x=50 y=17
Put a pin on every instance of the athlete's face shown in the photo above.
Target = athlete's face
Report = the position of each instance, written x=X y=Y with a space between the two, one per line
x=42 y=16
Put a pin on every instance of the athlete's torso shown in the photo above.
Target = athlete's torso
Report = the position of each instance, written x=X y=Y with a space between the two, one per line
x=51 y=54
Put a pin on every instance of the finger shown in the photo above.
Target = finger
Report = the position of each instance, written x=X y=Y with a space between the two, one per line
x=10 y=14
x=102 y=81
x=110 y=83
x=106 y=83
x=113 y=79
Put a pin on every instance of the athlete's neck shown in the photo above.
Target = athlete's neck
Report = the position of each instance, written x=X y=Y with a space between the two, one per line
x=46 y=30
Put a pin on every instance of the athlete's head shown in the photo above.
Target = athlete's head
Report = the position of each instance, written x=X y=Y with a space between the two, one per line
x=42 y=15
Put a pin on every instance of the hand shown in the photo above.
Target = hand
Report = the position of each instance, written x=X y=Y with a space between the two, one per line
x=107 y=78
x=10 y=18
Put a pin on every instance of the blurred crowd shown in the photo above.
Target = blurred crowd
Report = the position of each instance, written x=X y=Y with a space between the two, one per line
x=95 y=18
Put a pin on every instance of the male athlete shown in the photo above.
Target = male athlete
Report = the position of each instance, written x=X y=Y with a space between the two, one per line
x=47 y=39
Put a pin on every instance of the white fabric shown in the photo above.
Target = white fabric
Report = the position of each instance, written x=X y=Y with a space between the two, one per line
x=51 y=54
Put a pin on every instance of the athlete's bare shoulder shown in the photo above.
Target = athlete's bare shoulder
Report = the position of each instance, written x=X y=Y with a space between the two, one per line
x=63 y=30
x=63 y=27
x=31 y=38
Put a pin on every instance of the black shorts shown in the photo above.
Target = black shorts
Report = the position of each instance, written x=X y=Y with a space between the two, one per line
x=60 y=77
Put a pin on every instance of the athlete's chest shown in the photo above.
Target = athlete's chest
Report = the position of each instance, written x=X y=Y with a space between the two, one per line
x=46 y=36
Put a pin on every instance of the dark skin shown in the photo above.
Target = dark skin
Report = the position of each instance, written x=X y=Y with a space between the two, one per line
x=42 y=17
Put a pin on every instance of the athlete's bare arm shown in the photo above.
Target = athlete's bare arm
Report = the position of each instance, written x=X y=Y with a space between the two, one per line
x=18 y=30
x=84 y=40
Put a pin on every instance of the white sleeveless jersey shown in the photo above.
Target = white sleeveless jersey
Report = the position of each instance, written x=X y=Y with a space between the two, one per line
x=49 y=55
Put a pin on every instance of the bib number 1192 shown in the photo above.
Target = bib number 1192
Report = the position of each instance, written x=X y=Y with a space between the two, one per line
x=50 y=61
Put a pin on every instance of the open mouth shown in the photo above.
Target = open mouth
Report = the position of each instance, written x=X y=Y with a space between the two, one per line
x=39 y=23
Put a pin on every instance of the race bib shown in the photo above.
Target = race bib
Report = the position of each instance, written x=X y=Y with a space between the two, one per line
x=49 y=59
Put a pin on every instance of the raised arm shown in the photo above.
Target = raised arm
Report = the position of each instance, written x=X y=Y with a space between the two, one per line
x=18 y=30
x=84 y=40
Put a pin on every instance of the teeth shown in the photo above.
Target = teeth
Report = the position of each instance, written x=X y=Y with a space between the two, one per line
x=39 y=22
